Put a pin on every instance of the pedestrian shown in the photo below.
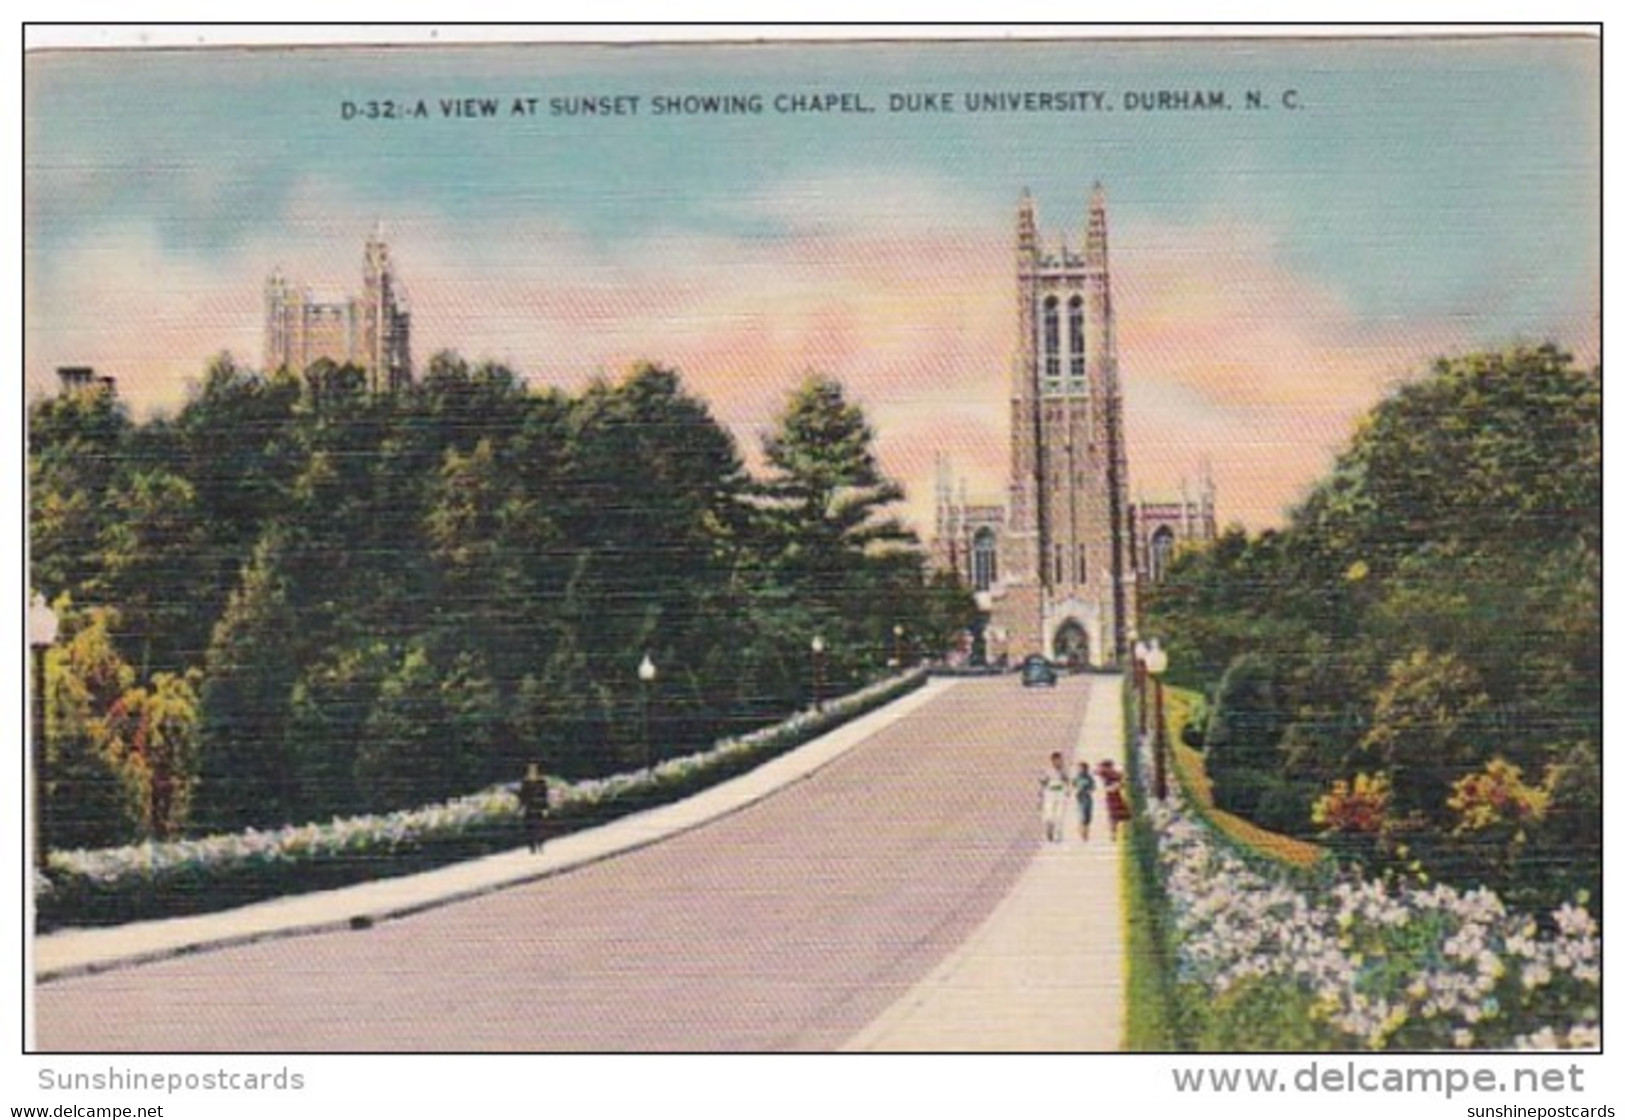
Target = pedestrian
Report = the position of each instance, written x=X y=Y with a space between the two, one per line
x=533 y=802
x=1052 y=791
x=1117 y=810
x=1084 y=786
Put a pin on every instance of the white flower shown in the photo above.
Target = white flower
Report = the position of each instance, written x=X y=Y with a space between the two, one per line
x=1585 y=1036
x=1535 y=975
x=1574 y=921
x=1543 y=1039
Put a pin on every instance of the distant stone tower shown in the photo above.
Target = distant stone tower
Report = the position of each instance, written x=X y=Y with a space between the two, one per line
x=386 y=326
x=1069 y=587
x=372 y=331
x=1058 y=569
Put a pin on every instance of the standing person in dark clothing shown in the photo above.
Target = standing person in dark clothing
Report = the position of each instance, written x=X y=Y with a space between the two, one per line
x=1084 y=786
x=533 y=802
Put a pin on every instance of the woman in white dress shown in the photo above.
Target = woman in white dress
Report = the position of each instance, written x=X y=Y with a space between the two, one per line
x=1053 y=790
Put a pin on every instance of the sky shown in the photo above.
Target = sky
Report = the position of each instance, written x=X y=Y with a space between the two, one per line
x=1275 y=270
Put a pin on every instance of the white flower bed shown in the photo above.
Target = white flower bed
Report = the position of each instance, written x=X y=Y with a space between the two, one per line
x=190 y=865
x=1384 y=966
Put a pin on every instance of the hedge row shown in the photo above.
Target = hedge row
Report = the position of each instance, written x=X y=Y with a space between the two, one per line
x=111 y=886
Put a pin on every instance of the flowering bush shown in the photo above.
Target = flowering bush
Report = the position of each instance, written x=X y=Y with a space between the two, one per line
x=1358 y=807
x=1497 y=795
x=111 y=885
x=1345 y=963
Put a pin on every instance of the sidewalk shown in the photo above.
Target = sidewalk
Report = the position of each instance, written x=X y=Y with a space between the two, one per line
x=77 y=951
x=1044 y=973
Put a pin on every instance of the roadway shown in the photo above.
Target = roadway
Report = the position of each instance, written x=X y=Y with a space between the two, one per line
x=789 y=925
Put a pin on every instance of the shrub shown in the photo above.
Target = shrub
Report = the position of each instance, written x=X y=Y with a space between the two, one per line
x=1194 y=733
x=1282 y=804
x=114 y=885
x=1244 y=735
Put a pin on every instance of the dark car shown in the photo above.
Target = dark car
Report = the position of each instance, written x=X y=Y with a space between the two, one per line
x=1035 y=670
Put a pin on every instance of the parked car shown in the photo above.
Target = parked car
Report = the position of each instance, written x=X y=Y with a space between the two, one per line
x=1035 y=671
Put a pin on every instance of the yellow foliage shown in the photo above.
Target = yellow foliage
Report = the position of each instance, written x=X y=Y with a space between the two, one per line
x=1497 y=795
x=1357 y=807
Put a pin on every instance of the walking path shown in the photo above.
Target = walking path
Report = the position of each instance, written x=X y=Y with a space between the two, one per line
x=1044 y=973
x=81 y=951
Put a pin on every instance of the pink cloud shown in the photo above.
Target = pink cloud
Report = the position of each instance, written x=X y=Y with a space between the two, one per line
x=1226 y=352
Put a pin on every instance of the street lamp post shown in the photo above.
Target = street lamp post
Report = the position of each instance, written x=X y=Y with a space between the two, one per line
x=646 y=680
x=818 y=672
x=42 y=627
x=1140 y=650
x=1156 y=663
x=984 y=607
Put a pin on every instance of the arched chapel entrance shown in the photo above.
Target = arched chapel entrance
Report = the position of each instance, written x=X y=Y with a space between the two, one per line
x=1072 y=644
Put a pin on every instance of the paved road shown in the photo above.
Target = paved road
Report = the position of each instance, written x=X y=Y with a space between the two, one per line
x=788 y=926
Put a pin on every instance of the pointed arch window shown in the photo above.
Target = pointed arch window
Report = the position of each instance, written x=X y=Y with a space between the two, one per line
x=1162 y=552
x=984 y=560
x=1052 y=339
x=1074 y=329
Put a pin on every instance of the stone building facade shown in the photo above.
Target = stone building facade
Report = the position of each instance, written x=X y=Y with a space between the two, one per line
x=1161 y=528
x=1058 y=567
x=372 y=331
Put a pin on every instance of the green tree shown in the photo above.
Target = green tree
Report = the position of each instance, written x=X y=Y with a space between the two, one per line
x=332 y=388
x=563 y=713
x=327 y=719
x=657 y=518
x=77 y=447
x=90 y=800
x=827 y=532
x=153 y=732
x=1422 y=731
x=151 y=547
x=455 y=405
x=237 y=451
x=1564 y=858
x=235 y=446
x=247 y=768
x=827 y=490
x=1243 y=741
x=433 y=733
x=487 y=531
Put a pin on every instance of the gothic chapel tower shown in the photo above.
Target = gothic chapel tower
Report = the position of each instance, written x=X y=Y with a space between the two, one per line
x=385 y=324
x=1069 y=588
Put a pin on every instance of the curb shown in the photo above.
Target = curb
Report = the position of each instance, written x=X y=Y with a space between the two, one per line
x=732 y=796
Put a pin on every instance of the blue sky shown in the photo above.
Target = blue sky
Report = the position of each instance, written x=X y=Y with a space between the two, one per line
x=1428 y=195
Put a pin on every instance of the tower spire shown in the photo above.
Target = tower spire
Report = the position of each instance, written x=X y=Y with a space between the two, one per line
x=1095 y=239
x=1026 y=228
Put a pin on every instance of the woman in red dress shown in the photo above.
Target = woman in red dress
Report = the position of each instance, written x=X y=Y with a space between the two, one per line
x=1116 y=800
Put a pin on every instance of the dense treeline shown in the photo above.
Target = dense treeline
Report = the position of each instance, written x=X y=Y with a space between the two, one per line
x=1411 y=668
x=297 y=599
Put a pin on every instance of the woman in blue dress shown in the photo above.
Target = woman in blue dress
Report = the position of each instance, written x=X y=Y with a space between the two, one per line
x=1084 y=786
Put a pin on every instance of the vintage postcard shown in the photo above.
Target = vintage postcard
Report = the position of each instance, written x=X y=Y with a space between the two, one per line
x=1055 y=545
